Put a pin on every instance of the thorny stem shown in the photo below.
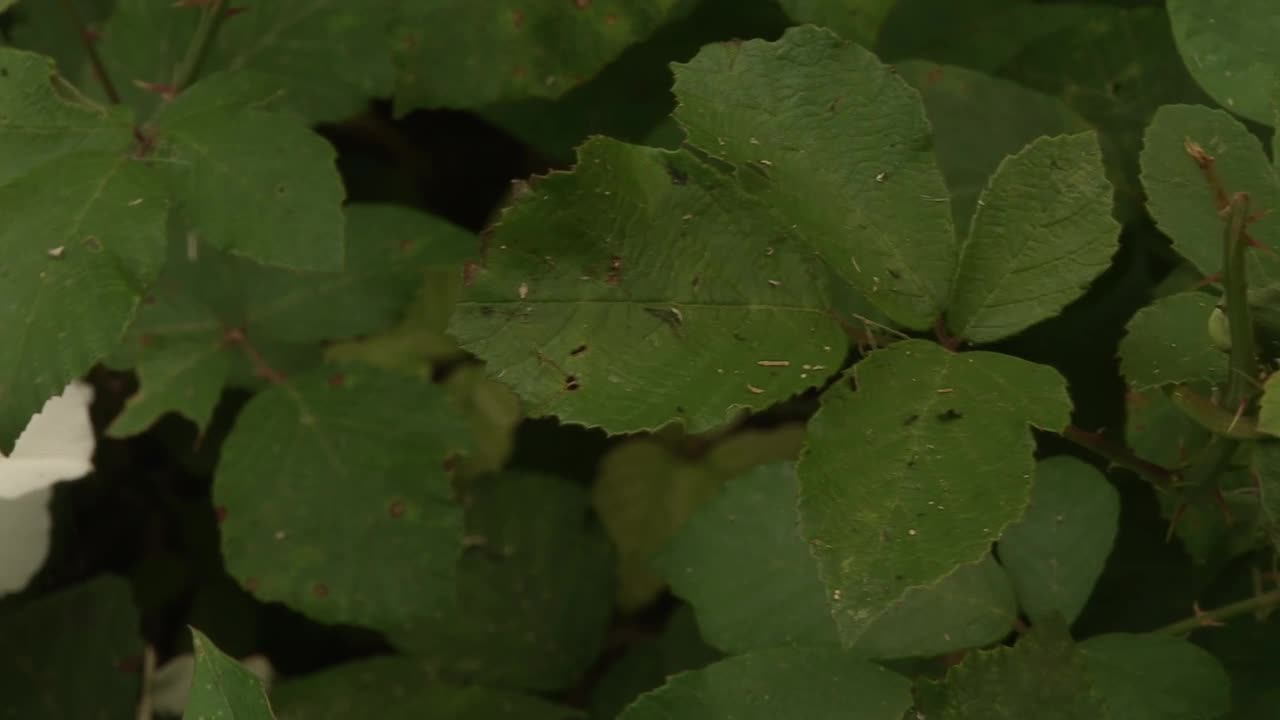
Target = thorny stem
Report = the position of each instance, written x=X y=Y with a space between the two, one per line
x=1207 y=618
x=1118 y=455
x=261 y=368
x=95 y=60
x=211 y=18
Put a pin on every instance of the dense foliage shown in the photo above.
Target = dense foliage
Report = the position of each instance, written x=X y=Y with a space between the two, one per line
x=670 y=359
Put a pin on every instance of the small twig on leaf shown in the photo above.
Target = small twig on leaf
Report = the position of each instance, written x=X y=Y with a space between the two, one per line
x=212 y=15
x=87 y=38
x=1119 y=456
x=261 y=368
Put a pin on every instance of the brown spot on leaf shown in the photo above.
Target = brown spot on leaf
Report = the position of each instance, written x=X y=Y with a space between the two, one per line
x=220 y=514
x=251 y=585
x=396 y=509
x=320 y=591
x=571 y=383
x=614 y=277
x=517 y=19
x=469 y=272
x=610 y=19
x=582 y=4
x=578 y=350
x=449 y=463
x=337 y=380
x=146 y=340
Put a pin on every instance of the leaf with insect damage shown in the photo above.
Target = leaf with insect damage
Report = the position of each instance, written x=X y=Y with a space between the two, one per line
x=1041 y=234
x=647 y=287
x=321 y=470
x=811 y=683
x=328 y=57
x=216 y=320
x=1230 y=49
x=943 y=448
x=83 y=233
x=499 y=51
x=401 y=688
x=777 y=599
x=259 y=184
x=222 y=687
x=1194 y=160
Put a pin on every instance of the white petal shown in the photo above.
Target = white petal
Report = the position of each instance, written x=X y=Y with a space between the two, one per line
x=24 y=538
x=56 y=445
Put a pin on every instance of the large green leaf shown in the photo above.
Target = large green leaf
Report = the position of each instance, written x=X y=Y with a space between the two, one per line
x=1184 y=202
x=260 y=184
x=83 y=234
x=1154 y=677
x=646 y=490
x=943 y=459
x=647 y=287
x=978 y=120
x=328 y=56
x=535 y=589
x=65 y=654
x=1042 y=232
x=1168 y=342
x=222 y=687
x=1056 y=552
x=400 y=688
x=184 y=354
x=511 y=49
x=1230 y=49
x=323 y=471
x=813 y=683
x=780 y=112
x=1043 y=676
x=856 y=20
x=777 y=598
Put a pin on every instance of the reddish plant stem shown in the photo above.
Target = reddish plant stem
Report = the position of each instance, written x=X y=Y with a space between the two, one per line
x=261 y=368
x=1119 y=456
x=95 y=60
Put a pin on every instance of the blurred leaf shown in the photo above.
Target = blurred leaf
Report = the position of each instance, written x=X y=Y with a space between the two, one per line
x=400 y=688
x=1230 y=49
x=911 y=512
x=325 y=471
x=856 y=20
x=649 y=662
x=646 y=491
x=1154 y=677
x=66 y=655
x=815 y=683
x=1056 y=552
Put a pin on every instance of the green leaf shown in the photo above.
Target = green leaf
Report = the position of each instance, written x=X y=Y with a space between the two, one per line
x=646 y=287
x=222 y=687
x=1056 y=552
x=6 y=4
x=777 y=599
x=1042 y=232
x=1168 y=342
x=534 y=593
x=646 y=491
x=1266 y=467
x=323 y=470
x=778 y=112
x=400 y=688
x=1230 y=51
x=259 y=184
x=856 y=20
x=944 y=458
x=63 y=654
x=813 y=683
x=83 y=234
x=42 y=27
x=503 y=52
x=772 y=597
x=1154 y=677
x=649 y=662
x=328 y=56
x=978 y=120
x=1043 y=676
x=184 y=354
x=1183 y=201
x=1269 y=406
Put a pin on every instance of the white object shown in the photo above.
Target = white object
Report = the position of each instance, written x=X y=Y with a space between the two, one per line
x=56 y=445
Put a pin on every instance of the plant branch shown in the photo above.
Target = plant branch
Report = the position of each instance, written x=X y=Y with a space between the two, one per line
x=1208 y=618
x=95 y=60
x=214 y=12
x=1118 y=455
x=1244 y=353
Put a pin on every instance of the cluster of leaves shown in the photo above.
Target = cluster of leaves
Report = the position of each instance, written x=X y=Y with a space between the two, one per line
x=845 y=323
